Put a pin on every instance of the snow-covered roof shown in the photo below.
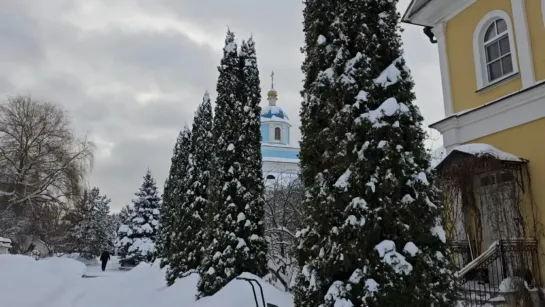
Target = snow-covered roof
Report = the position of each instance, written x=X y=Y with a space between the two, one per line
x=480 y=149
x=475 y=149
x=273 y=113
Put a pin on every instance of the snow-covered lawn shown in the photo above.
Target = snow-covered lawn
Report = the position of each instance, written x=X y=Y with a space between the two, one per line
x=58 y=282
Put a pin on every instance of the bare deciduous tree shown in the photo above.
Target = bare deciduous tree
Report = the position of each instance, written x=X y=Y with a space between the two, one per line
x=283 y=197
x=42 y=162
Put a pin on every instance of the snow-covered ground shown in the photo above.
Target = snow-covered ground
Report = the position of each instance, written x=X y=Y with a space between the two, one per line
x=58 y=282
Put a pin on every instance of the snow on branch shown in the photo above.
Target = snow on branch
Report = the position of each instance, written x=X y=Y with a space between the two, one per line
x=390 y=75
x=387 y=252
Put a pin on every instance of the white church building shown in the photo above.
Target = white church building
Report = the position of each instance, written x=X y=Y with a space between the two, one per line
x=280 y=157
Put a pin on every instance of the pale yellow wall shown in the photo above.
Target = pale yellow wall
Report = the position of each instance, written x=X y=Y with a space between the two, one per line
x=537 y=36
x=459 y=38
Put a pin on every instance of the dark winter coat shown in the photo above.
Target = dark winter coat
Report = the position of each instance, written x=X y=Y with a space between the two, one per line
x=105 y=256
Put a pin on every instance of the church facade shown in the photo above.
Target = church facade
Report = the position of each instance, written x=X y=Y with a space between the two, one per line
x=280 y=157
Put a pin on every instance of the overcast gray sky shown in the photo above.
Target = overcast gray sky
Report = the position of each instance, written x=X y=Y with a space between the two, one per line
x=132 y=72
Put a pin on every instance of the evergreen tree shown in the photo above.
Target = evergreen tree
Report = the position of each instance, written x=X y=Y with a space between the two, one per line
x=372 y=236
x=236 y=227
x=176 y=216
x=77 y=219
x=191 y=242
x=252 y=165
x=218 y=265
x=102 y=221
x=170 y=196
x=121 y=242
x=124 y=212
x=91 y=230
x=140 y=229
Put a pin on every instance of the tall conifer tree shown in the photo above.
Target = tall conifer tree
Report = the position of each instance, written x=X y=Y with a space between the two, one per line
x=168 y=219
x=218 y=267
x=252 y=231
x=373 y=235
x=191 y=242
x=236 y=230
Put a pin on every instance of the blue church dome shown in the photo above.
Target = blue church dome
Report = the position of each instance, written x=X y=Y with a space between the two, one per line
x=270 y=112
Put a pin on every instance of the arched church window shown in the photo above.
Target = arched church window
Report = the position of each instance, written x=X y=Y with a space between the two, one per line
x=498 y=51
x=494 y=49
x=277 y=134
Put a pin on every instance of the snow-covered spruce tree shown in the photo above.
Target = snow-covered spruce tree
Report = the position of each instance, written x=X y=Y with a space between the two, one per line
x=124 y=213
x=141 y=227
x=373 y=235
x=236 y=227
x=168 y=216
x=122 y=242
x=190 y=241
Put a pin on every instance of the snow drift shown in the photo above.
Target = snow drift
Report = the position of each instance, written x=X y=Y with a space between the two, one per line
x=57 y=282
x=144 y=286
x=25 y=281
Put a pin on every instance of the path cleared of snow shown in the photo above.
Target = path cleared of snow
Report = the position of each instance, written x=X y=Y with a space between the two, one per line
x=58 y=282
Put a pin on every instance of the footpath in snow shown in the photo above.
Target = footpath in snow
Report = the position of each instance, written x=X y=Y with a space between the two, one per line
x=58 y=282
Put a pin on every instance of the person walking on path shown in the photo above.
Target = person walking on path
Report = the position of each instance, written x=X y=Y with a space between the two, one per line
x=104 y=258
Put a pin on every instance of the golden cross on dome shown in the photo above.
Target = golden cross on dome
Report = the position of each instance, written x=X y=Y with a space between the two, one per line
x=272 y=80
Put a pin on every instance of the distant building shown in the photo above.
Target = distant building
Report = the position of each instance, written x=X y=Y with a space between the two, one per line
x=280 y=158
x=5 y=245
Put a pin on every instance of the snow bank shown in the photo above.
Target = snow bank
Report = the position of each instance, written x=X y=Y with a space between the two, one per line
x=81 y=258
x=27 y=282
x=57 y=282
x=144 y=286
x=67 y=269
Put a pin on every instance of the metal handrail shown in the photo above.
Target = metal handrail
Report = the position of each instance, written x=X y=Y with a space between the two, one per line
x=491 y=251
x=500 y=250
x=249 y=280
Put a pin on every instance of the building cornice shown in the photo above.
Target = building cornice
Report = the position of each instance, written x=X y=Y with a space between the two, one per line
x=505 y=113
x=435 y=11
x=279 y=146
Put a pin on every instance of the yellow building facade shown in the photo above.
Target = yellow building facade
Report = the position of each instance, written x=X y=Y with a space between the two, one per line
x=492 y=62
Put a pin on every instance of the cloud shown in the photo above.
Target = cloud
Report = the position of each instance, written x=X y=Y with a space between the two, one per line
x=132 y=72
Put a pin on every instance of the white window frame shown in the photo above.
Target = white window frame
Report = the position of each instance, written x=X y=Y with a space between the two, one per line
x=479 y=48
x=543 y=11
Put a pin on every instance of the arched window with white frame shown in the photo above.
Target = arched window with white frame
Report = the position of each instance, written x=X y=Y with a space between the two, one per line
x=494 y=49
